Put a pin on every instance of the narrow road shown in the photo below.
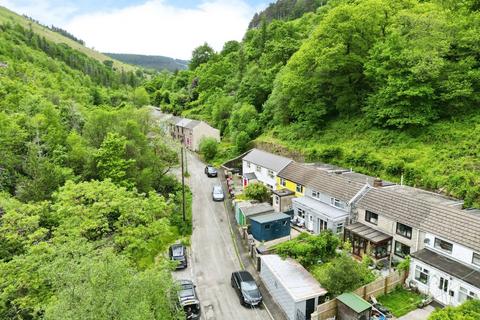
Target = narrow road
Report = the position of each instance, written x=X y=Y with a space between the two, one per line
x=212 y=254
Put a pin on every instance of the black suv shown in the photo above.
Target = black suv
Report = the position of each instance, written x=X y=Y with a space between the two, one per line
x=178 y=253
x=246 y=288
x=210 y=171
x=188 y=299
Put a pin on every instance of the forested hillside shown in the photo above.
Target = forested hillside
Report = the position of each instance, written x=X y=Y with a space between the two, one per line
x=158 y=63
x=87 y=209
x=389 y=88
x=58 y=36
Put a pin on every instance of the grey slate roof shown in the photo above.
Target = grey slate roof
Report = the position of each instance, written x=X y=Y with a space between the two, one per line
x=182 y=122
x=192 y=124
x=270 y=217
x=460 y=226
x=322 y=208
x=267 y=160
x=332 y=184
x=452 y=267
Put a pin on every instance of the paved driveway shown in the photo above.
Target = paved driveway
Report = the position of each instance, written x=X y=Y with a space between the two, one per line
x=213 y=257
x=418 y=314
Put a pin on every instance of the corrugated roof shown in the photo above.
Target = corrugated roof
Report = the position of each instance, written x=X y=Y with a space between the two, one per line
x=267 y=160
x=460 y=226
x=354 y=302
x=445 y=264
x=250 y=176
x=299 y=283
x=331 y=184
x=321 y=207
x=270 y=217
x=256 y=209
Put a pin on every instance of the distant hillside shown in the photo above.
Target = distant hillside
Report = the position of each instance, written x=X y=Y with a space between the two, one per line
x=151 y=62
x=10 y=16
x=285 y=10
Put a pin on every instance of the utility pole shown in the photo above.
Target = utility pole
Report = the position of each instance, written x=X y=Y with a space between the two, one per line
x=186 y=162
x=183 y=188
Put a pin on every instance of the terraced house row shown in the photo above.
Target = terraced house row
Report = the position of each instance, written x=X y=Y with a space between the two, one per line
x=382 y=219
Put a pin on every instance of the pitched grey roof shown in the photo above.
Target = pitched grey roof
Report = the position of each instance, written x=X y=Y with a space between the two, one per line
x=367 y=232
x=267 y=160
x=192 y=124
x=460 y=226
x=332 y=184
x=320 y=207
x=182 y=122
x=445 y=264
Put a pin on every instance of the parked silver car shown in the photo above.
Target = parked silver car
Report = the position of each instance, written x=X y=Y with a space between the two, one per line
x=217 y=193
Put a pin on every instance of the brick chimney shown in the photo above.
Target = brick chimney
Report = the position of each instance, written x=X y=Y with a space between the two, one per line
x=377 y=183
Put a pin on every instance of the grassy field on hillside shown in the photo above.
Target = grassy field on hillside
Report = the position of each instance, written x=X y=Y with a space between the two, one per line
x=9 y=16
x=444 y=157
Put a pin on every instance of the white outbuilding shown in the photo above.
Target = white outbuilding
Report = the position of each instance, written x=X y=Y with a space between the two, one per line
x=294 y=289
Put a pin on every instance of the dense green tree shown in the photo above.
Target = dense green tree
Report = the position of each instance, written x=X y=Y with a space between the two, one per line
x=141 y=97
x=208 y=148
x=469 y=310
x=257 y=191
x=201 y=55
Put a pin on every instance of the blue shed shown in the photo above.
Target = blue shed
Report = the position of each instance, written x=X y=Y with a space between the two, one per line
x=270 y=226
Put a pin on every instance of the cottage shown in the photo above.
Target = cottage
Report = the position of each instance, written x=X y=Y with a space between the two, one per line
x=442 y=239
x=293 y=288
x=265 y=167
x=191 y=132
x=323 y=198
x=270 y=226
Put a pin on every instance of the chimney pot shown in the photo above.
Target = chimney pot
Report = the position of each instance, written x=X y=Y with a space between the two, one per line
x=377 y=183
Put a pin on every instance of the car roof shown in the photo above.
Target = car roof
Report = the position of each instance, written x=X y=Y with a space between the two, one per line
x=244 y=276
x=187 y=290
x=217 y=187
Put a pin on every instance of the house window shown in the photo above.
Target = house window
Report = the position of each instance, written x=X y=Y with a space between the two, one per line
x=248 y=164
x=267 y=227
x=443 y=284
x=336 y=203
x=421 y=274
x=283 y=183
x=464 y=295
x=277 y=199
x=271 y=174
x=301 y=213
x=259 y=169
x=476 y=259
x=401 y=250
x=340 y=228
x=315 y=194
x=404 y=230
x=443 y=245
x=371 y=217
x=299 y=188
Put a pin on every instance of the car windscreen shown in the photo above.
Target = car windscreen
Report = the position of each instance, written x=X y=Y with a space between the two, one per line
x=217 y=190
x=191 y=308
x=249 y=286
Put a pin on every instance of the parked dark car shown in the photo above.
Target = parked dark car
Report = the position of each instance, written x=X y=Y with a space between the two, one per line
x=210 y=171
x=178 y=253
x=217 y=193
x=246 y=288
x=188 y=300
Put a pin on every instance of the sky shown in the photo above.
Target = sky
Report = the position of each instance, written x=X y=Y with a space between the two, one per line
x=153 y=27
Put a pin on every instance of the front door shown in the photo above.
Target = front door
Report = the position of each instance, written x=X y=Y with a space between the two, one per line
x=310 y=223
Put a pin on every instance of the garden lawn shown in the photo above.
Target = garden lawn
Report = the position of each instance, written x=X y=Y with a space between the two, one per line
x=400 y=301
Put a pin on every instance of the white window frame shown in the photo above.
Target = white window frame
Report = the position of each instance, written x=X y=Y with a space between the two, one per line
x=299 y=186
x=464 y=294
x=271 y=174
x=421 y=270
x=439 y=246
x=258 y=168
x=283 y=183
x=316 y=194
x=301 y=213
x=340 y=227
x=248 y=164
x=337 y=203
x=476 y=259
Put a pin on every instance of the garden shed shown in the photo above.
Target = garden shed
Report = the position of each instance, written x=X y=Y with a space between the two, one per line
x=270 y=226
x=291 y=285
x=352 y=307
x=246 y=213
